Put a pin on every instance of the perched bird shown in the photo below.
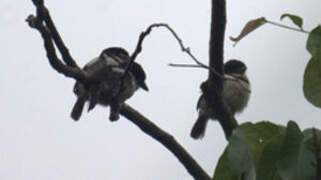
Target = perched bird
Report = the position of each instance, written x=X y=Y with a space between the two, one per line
x=236 y=92
x=107 y=86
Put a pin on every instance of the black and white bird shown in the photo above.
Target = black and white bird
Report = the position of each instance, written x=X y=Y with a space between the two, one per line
x=107 y=86
x=236 y=92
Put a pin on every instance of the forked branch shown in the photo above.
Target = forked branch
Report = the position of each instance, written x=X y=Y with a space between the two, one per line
x=44 y=24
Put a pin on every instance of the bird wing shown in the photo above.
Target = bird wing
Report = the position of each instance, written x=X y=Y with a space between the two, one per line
x=200 y=99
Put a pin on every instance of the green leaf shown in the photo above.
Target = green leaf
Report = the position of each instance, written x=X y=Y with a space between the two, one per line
x=297 y=20
x=312 y=81
x=268 y=130
x=312 y=74
x=246 y=144
x=309 y=139
x=223 y=168
x=296 y=161
x=271 y=153
x=248 y=28
x=240 y=155
x=314 y=42
x=244 y=150
x=308 y=133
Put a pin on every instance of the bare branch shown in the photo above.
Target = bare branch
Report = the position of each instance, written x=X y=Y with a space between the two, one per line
x=43 y=15
x=179 y=40
x=167 y=140
x=187 y=65
x=54 y=61
x=71 y=69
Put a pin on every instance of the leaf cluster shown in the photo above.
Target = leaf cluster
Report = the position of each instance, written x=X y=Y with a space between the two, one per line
x=266 y=151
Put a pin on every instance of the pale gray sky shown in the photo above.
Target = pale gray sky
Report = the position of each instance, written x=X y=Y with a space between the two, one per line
x=40 y=141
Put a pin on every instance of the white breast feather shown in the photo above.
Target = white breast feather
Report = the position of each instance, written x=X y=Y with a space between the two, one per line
x=236 y=93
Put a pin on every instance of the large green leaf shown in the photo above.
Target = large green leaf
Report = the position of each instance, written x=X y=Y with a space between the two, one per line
x=244 y=150
x=312 y=74
x=308 y=133
x=268 y=130
x=296 y=161
x=240 y=155
x=314 y=42
x=223 y=168
x=309 y=139
x=312 y=82
x=297 y=20
x=266 y=169
x=246 y=145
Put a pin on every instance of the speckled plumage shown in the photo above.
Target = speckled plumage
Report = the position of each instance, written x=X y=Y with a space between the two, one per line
x=236 y=92
x=106 y=72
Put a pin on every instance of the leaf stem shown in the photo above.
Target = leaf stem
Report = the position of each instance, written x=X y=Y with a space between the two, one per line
x=287 y=27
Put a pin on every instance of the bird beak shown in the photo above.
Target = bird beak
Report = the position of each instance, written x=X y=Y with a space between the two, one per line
x=143 y=86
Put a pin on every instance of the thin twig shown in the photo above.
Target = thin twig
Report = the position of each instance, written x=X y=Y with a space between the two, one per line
x=186 y=65
x=179 y=40
x=287 y=27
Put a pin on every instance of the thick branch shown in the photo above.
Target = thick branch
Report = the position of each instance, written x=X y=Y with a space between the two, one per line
x=217 y=35
x=70 y=69
x=212 y=89
x=55 y=62
x=43 y=15
x=167 y=140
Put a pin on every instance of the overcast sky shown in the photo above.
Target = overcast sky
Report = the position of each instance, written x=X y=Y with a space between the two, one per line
x=40 y=141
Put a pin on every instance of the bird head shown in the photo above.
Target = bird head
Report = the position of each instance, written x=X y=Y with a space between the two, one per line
x=139 y=75
x=235 y=67
x=117 y=53
x=121 y=55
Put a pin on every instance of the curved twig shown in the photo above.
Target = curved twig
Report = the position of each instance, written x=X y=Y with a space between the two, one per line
x=179 y=40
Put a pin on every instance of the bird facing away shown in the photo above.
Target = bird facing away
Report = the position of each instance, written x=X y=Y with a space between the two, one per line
x=236 y=92
x=108 y=86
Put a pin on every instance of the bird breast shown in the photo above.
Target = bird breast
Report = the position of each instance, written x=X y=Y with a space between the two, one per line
x=236 y=93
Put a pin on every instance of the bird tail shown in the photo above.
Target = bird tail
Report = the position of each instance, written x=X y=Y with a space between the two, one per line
x=95 y=93
x=199 y=127
x=78 y=108
x=114 y=111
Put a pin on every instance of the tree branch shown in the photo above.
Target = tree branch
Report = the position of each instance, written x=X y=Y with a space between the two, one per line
x=179 y=40
x=212 y=89
x=70 y=69
x=186 y=65
x=167 y=140
x=55 y=62
x=43 y=15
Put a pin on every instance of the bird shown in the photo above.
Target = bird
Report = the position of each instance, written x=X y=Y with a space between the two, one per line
x=107 y=85
x=236 y=93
